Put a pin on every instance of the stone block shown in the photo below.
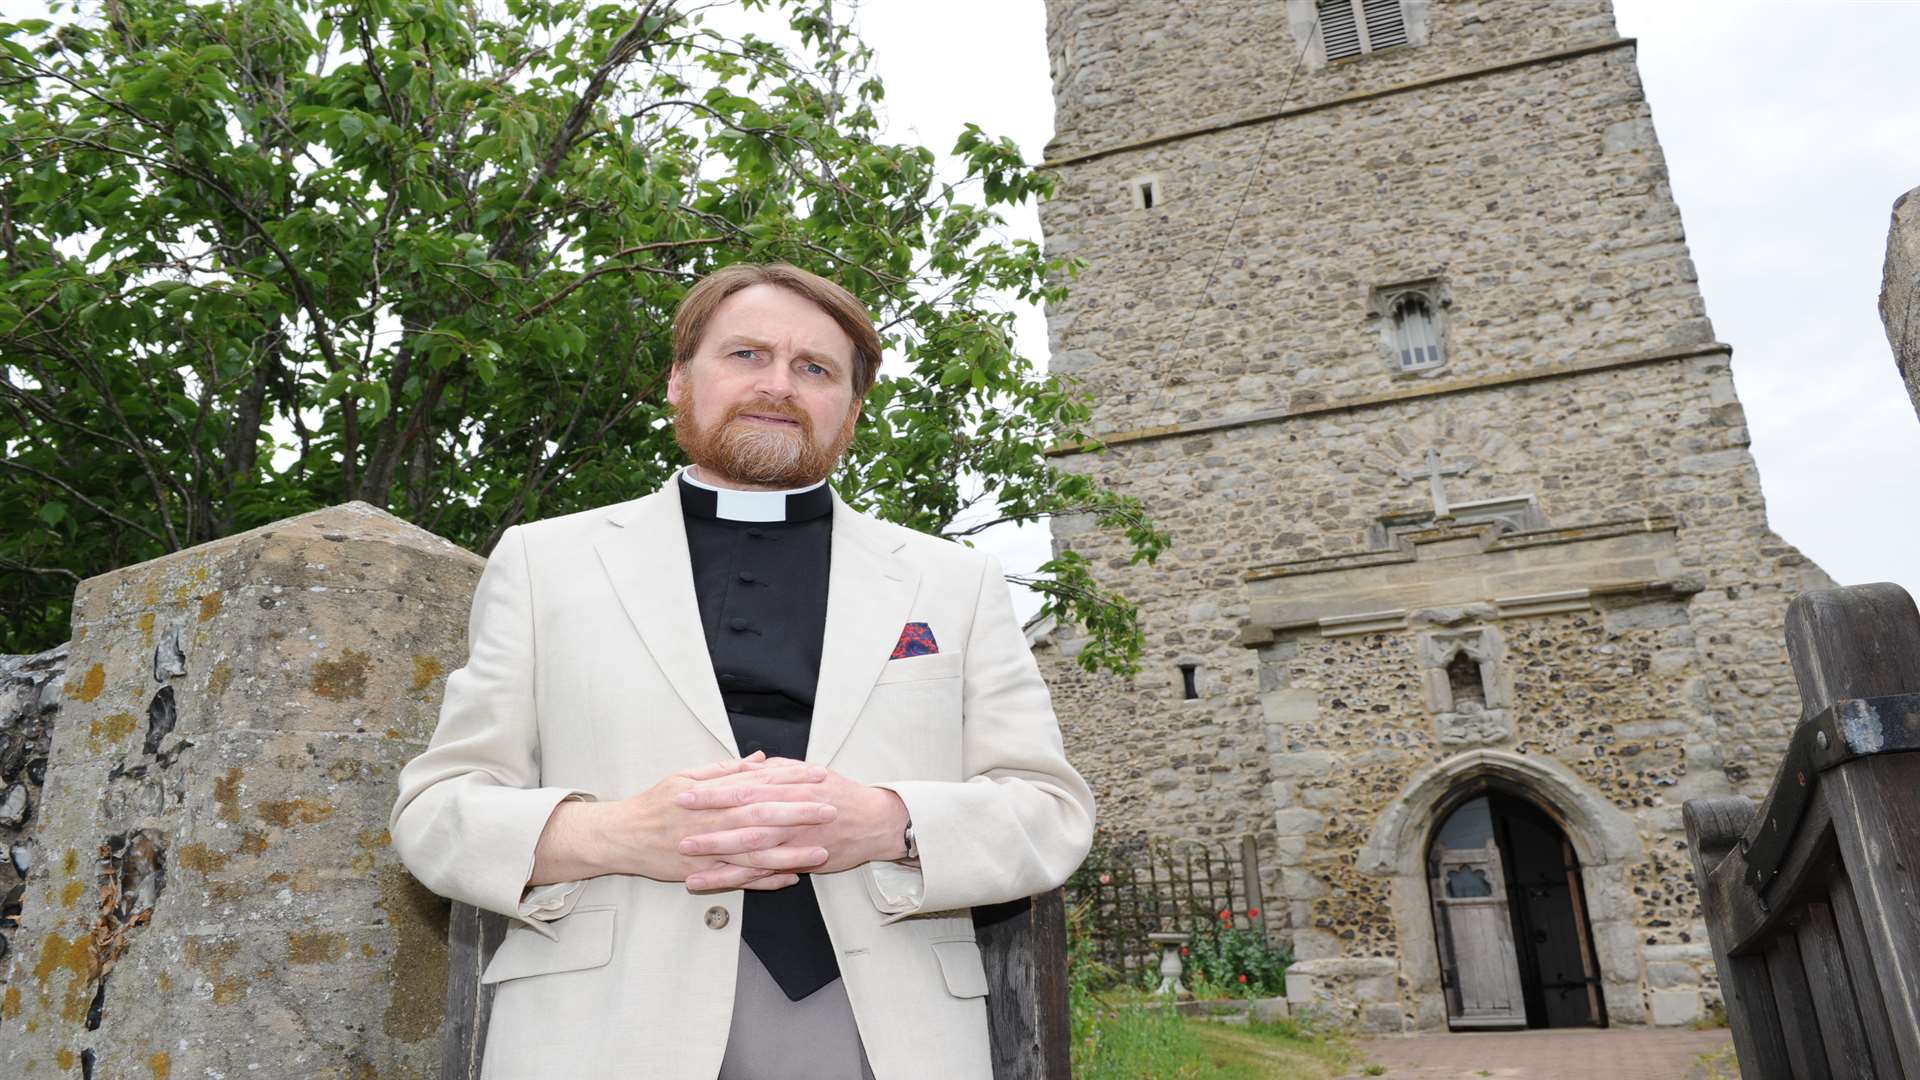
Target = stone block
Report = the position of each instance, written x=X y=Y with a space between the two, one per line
x=1290 y=706
x=1382 y=1020
x=1298 y=822
x=225 y=763
x=1270 y=1010
x=1668 y=975
x=1900 y=291
x=1672 y=1008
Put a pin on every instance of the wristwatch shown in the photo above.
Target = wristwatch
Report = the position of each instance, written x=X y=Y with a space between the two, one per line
x=913 y=849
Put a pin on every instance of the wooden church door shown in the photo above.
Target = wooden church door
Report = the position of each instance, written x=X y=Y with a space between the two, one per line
x=1479 y=963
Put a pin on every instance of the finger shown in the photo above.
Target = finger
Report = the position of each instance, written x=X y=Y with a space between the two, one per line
x=773 y=881
x=736 y=841
x=766 y=762
x=725 y=768
x=795 y=772
x=719 y=796
x=784 y=857
x=723 y=877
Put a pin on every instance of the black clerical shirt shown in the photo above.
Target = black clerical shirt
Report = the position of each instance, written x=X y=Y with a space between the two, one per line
x=762 y=590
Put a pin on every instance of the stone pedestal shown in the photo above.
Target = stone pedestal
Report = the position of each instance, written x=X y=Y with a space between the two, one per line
x=215 y=894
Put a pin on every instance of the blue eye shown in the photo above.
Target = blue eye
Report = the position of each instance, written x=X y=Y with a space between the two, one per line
x=744 y=353
x=816 y=369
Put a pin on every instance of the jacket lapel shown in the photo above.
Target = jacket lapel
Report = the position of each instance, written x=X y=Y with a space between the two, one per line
x=644 y=552
x=869 y=596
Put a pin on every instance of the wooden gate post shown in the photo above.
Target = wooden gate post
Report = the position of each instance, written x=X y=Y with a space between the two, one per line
x=1024 y=947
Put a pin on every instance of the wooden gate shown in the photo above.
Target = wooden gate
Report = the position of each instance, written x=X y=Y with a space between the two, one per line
x=1474 y=925
x=1812 y=900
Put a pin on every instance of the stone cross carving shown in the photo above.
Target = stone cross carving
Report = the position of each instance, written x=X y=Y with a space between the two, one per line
x=1434 y=470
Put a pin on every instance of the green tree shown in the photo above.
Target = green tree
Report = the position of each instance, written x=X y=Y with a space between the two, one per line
x=263 y=256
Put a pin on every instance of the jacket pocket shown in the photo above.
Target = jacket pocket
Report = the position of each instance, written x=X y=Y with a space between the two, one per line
x=914 y=668
x=960 y=965
x=582 y=939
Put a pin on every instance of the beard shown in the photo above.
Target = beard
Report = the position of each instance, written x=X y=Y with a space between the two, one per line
x=742 y=452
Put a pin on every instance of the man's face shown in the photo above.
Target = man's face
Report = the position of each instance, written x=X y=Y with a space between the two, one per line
x=766 y=400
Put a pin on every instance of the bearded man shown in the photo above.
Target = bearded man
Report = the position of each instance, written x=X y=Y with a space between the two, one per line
x=736 y=760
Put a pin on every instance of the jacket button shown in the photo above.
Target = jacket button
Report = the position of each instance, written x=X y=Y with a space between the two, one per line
x=716 y=918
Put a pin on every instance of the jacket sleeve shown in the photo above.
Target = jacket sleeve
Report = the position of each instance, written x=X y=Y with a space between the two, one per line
x=1023 y=819
x=470 y=808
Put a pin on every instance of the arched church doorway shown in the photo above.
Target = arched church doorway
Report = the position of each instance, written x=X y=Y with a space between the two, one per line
x=1510 y=915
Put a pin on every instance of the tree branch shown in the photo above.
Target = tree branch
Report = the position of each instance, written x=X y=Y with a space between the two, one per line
x=76 y=493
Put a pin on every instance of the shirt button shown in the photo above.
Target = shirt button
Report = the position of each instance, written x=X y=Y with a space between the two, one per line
x=755 y=533
x=747 y=576
x=716 y=918
x=726 y=676
x=737 y=623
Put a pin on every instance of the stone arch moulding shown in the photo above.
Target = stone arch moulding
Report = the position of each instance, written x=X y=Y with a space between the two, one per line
x=1604 y=836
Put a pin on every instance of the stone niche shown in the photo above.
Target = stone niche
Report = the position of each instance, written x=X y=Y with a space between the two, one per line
x=1467 y=685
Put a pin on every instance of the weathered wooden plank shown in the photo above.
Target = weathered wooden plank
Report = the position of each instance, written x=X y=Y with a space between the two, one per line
x=1714 y=827
x=1024 y=948
x=1876 y=814
x=1853 y=642
x=1866 y=987
x=1753 y=916
x=472 y=936
x=1793 y=1000
x=1833 y=998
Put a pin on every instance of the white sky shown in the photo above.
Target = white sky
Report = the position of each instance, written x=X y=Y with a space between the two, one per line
x=1789 y=130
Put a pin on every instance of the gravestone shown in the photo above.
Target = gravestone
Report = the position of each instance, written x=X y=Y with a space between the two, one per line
x=214 y=892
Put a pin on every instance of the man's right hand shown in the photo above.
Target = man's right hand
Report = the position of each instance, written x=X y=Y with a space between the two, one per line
x=641 y=835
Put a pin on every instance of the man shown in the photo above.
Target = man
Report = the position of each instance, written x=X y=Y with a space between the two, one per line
x=735 y=759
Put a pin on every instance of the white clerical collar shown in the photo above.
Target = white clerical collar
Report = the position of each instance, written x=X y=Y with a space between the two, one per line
x=758 y=505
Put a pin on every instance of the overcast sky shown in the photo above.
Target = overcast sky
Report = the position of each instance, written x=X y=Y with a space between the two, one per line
x=1789 y=129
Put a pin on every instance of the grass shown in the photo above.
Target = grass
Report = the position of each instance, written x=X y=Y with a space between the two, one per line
x=1158 y=1044
x=1721 y=1064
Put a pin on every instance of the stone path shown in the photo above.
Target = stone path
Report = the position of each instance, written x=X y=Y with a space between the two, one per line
x=1616 y=1054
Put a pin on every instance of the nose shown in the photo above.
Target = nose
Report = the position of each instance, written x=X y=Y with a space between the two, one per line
x=775 y=382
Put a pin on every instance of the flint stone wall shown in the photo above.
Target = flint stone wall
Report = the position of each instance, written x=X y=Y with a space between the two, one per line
x=215 y=894
x=1246 y=396
x=1900 y=291
x=30 y=698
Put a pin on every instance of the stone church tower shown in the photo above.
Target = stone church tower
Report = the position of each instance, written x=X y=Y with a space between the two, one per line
x=1386 y=313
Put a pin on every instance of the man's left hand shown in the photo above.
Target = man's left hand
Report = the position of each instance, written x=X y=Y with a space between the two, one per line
x=869 y=826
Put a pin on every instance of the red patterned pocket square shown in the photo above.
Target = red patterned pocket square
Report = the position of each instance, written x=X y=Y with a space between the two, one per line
x=915 y=640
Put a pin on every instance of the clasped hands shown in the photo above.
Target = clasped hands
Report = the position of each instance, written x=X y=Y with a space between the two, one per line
x=759 y=822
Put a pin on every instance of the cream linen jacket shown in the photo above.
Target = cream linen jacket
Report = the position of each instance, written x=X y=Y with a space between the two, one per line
x=588 y=677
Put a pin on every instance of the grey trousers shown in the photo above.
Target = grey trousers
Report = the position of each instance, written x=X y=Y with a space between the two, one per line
x=773 y=1038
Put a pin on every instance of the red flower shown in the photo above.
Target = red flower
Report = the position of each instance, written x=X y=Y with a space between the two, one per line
x=1226 y=916
x=1243 y=978
x=1183 y=950
x=1253 y=913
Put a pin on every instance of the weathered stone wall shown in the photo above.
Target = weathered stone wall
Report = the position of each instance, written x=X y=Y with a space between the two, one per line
x=30 y=699
x=214 y=893
x=1900 y=291
x=1128 y=72
x=1250 y=403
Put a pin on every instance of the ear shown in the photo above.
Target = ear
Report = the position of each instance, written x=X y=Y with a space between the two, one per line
x=676 y=386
